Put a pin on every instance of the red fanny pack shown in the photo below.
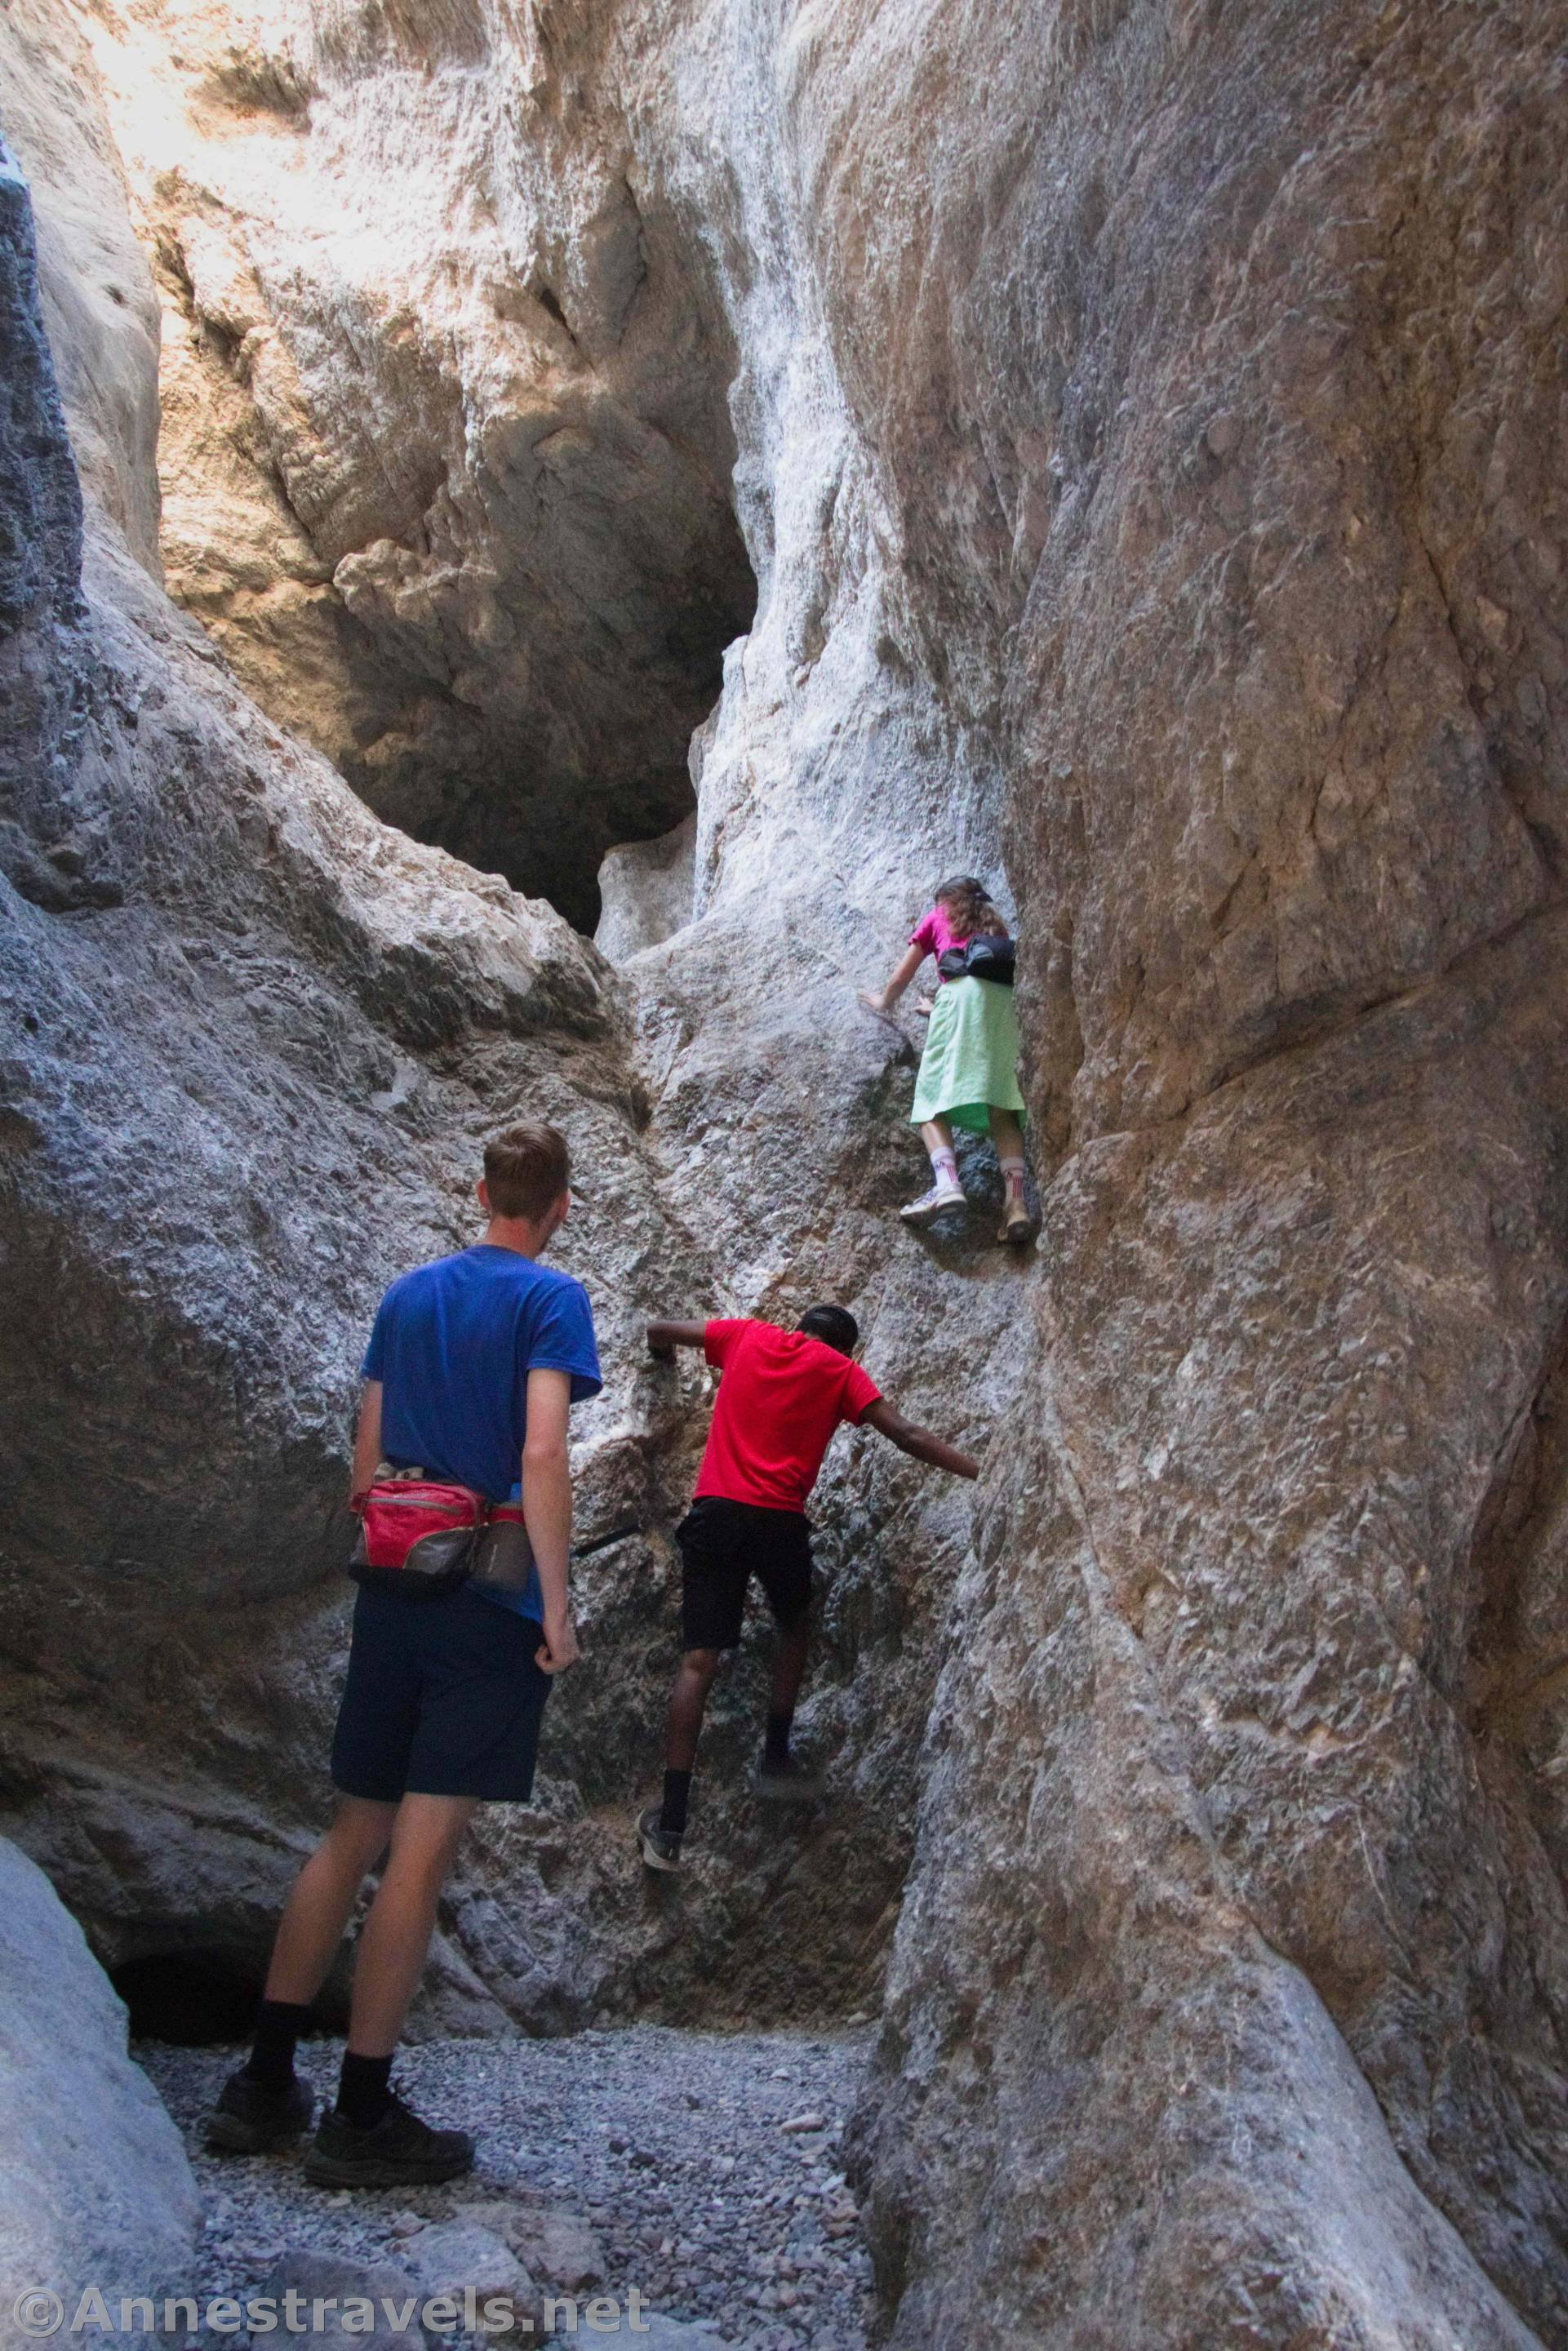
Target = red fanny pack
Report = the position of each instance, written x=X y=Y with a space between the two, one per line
x=417 y=1537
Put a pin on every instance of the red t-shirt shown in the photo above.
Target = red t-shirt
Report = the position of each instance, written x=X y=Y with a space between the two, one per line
x=782 y=1396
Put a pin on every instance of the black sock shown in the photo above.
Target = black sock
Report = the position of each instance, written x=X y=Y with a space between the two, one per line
x=278 y=2025
x=775 y=1744
x=363 y=2091
x=678 y=1796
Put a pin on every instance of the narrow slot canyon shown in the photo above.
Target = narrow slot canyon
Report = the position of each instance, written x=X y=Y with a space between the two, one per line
x=531 y=537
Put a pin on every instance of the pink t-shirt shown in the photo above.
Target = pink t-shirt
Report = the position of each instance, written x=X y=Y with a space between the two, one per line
x=934 y=933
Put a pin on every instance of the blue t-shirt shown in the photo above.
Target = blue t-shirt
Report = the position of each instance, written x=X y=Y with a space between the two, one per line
x=453 y=1346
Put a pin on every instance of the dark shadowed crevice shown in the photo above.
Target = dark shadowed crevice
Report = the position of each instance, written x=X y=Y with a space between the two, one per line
x=601 y=757
x=190 y=1996
x=501 y=614
x=200 y=1995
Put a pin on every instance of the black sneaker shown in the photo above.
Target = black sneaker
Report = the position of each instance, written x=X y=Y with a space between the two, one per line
x=788 y=1782
x=250 y=2118
x=660 y=1848
x=400 y=2151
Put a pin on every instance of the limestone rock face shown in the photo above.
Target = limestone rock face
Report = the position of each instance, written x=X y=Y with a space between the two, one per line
x=453 y=501
x=95 y=2190
x=646 y=891
x=1249 y=1671
x=1143 y=426
x=231 y=1117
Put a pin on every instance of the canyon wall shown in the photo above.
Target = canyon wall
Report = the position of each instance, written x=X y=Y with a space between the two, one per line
x=1142 y=421
x=303 y=1026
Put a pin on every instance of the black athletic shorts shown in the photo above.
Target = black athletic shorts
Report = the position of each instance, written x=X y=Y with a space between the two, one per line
x=443 y=1698
x=723 y=1545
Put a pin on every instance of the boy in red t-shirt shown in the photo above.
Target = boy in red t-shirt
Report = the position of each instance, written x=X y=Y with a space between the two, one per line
x=782 y=1395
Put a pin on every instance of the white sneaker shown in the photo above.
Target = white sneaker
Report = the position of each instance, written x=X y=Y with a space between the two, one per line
x=932 y=1203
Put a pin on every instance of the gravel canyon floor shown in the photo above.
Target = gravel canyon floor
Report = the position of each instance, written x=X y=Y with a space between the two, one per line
x=683 y=2151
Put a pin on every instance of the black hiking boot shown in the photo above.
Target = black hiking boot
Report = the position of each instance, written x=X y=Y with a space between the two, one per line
x=660 y=1848
x=786 y=1782
x=400 y=2151
x=250 y=2118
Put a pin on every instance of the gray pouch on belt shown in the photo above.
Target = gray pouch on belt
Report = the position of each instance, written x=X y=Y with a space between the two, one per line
x=503 y=1556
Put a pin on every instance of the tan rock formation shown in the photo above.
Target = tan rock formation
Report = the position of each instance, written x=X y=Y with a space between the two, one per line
x=444 y=448
x=1145 y=422
x=340 y=1016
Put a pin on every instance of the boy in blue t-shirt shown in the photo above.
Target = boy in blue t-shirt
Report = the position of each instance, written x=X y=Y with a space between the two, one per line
x=473 y=1368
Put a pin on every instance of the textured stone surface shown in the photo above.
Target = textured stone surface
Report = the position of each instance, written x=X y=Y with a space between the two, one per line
x=332 y=2280
x=647 y=891
x=314 y=1023
x=556 y=2246
x=445 y=447
x=1282 y=726
x=95 y=2190
x=462 y=2257
x=1146 y=423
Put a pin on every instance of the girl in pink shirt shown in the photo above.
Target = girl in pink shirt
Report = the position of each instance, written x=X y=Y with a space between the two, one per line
x=968 y=1071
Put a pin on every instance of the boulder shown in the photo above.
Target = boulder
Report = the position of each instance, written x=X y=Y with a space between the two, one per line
x=95 y=2190
x=557 y=2245
x=335 y=2280
x=645 y=891
x=461 y=2258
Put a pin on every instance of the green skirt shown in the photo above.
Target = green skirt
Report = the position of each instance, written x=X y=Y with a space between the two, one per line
x=971 y=1057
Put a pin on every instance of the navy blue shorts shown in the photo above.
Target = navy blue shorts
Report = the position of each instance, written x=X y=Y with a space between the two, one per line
x=443 y=1698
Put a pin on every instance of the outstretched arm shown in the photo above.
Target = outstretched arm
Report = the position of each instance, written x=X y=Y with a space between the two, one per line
x=664 y=1338
x=910 y=1437
x=902 y=974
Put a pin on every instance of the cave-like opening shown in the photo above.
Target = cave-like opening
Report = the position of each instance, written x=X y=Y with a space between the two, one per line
x=202 y=1995
x=494 y=587
x=598 y=756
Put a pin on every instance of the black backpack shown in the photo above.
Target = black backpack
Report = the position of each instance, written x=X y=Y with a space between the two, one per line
x=988 y=955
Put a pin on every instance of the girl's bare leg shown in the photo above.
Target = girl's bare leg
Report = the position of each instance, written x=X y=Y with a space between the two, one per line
x=945 y=1191
x=937 y=1134
x=1007 y=1136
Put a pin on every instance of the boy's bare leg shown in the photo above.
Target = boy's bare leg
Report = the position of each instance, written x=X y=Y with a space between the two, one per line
x=688 y=1704
x=369 y=2138
x=789 y=1670
x=263 y=2102
x=323 y=1896
x=789 y=1673
x=426 y=1833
